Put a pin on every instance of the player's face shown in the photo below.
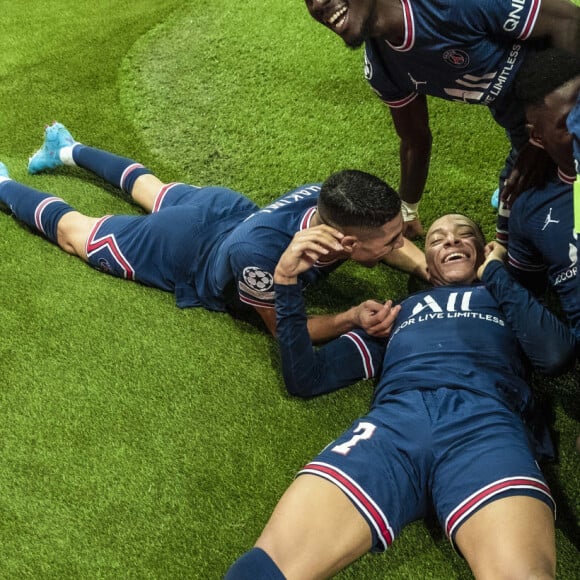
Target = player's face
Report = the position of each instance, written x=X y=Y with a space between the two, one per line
x=549 y=124
x=352 y=20
x=454 y=250
x=373 y=245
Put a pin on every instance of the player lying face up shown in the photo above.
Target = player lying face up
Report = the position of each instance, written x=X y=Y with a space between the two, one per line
x=451 y=390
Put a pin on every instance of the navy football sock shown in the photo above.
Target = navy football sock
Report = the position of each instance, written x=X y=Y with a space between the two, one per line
x=39 y=210
x=118 y=171
x=254 y=565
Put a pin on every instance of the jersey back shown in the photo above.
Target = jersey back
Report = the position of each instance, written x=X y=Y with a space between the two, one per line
x=248 y=255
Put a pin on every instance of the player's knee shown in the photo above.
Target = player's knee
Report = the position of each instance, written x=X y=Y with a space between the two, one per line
x=538 y=567
x=72 y=233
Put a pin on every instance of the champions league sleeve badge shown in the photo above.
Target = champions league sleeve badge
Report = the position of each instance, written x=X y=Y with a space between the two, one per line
x=258 y=279
x=256 y=287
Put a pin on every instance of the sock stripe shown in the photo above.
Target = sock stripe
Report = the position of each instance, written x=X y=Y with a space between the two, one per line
x=40 y=210
x=127 y=172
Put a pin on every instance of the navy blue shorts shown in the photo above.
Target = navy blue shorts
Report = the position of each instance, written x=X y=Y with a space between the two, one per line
x=160 y=249
x=455 y=448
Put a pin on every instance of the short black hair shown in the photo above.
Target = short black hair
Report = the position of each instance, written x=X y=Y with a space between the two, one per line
x=353 y=198
x=542 y=72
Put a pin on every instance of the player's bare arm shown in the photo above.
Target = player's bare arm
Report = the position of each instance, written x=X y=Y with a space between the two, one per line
x=409 y=258
x=559 y=20
x=530 y=169
x=412 y=125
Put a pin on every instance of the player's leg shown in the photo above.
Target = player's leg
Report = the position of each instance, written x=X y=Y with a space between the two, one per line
x=488 y=490
x=60 y=148
x=338 y=508
x=47 y=214
x=314 y=532
x=512 y=537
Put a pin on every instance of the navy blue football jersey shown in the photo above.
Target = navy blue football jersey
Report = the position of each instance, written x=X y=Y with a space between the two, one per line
x=460 y=50
x=481 y=338
x=543 y=241
x=250 y=252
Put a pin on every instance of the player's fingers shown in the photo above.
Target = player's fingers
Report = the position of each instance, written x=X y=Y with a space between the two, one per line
x=321 y=237
x=383 y=322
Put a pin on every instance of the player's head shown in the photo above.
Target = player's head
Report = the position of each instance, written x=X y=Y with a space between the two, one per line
x=548 y=84
x=454 y=250
x=367 y=210
x=353 y=20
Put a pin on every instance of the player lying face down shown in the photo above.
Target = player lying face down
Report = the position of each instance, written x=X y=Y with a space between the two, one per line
x=211 y=246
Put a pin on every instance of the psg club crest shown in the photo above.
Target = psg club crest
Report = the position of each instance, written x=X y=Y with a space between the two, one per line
x=104 y=266
x=456 y=58
x=257 y=279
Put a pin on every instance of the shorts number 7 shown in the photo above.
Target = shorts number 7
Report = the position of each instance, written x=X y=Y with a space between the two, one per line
x=362 y=432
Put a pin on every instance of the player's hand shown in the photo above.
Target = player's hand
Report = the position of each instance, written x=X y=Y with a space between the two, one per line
x=376 y=319
x=493 y=251
x=306 y=248
x=530 y=170
x=413 y=229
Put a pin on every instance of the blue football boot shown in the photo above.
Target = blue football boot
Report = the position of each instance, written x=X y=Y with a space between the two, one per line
x=495 y=199
x=3 y=170
x=56 y=137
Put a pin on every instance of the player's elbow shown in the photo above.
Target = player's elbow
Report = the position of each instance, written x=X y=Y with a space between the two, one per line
x=557 y=360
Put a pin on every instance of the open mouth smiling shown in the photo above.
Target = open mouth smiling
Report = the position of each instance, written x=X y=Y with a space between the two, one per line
x=337 y=18
x=454 y=256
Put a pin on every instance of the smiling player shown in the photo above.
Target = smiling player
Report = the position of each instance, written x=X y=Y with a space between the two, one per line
x=458 y=50
x=447 y=426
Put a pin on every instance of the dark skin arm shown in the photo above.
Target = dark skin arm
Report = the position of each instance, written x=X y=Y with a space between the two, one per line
x=412 y=125
x=559 y=21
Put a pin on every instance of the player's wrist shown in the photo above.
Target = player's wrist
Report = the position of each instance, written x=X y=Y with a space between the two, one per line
x=484 y=267
x=284 y=279
x=410 y=211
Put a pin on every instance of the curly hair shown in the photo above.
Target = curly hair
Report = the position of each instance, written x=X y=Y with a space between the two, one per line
x=542 y=72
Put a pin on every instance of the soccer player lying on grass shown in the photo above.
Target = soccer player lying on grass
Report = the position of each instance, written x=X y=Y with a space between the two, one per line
x=211 y=246
x=458 y=50
x=447 y=424
x=543 y=247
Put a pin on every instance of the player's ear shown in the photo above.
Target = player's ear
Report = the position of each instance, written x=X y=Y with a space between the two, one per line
x=534 y=135
x=349 y=243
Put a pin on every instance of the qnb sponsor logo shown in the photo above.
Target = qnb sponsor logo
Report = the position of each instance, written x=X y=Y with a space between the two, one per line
x=514 y=16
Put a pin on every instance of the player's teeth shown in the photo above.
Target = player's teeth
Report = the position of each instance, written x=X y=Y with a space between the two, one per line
x=338 y=14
